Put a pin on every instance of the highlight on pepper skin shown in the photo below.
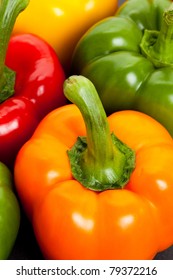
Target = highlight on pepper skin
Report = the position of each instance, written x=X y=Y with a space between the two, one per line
x=104 y=171
x=31 y=82
x=132 y=67
x=62 y=23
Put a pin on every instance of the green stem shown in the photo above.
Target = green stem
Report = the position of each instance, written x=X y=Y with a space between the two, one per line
x=158 y=45
x=9 y=10
x=99 y=161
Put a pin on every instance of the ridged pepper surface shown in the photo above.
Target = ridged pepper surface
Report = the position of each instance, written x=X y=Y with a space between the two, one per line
x=97 y=187
x=129 y=58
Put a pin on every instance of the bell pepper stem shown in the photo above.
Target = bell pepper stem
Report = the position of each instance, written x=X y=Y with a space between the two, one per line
x=9 y=10
x=157 y=46
x=100 y=160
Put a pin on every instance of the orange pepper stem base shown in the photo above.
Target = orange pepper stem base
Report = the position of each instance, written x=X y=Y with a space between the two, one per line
x=99 y=161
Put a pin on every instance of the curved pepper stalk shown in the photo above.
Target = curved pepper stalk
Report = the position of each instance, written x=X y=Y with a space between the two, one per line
x=99 y=161
x=9 y=10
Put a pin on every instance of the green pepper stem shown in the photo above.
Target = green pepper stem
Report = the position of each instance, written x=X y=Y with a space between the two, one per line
x=157 y=46
x=9 y=10
x=100 y=161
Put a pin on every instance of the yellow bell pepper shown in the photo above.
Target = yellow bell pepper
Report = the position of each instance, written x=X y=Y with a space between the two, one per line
x=62 y=23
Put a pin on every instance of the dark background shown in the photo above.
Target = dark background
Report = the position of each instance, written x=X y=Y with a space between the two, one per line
x=26 y=247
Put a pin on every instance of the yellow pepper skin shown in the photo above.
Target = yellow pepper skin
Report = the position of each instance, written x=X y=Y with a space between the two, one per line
x=62 y=23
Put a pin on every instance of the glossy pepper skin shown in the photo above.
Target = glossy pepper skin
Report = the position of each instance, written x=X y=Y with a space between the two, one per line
x=37 y=87
x=62 y=23
x=9 y=213
x=102 y=199
x=133 y=53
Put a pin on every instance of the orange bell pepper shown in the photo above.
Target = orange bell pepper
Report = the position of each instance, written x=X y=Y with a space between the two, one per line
x=62 y=23
x=100 y=197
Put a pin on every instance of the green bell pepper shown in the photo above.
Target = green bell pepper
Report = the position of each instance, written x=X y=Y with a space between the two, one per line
x=129 y=59
x=9 y=213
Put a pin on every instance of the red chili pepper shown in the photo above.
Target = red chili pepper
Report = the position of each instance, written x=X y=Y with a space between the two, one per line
x=37 y=87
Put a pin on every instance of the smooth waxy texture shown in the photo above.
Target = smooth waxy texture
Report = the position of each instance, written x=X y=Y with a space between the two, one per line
x=134 y=222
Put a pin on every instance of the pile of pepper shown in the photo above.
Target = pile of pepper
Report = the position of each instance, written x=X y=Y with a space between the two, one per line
x=31 y=80
x=86 y=127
